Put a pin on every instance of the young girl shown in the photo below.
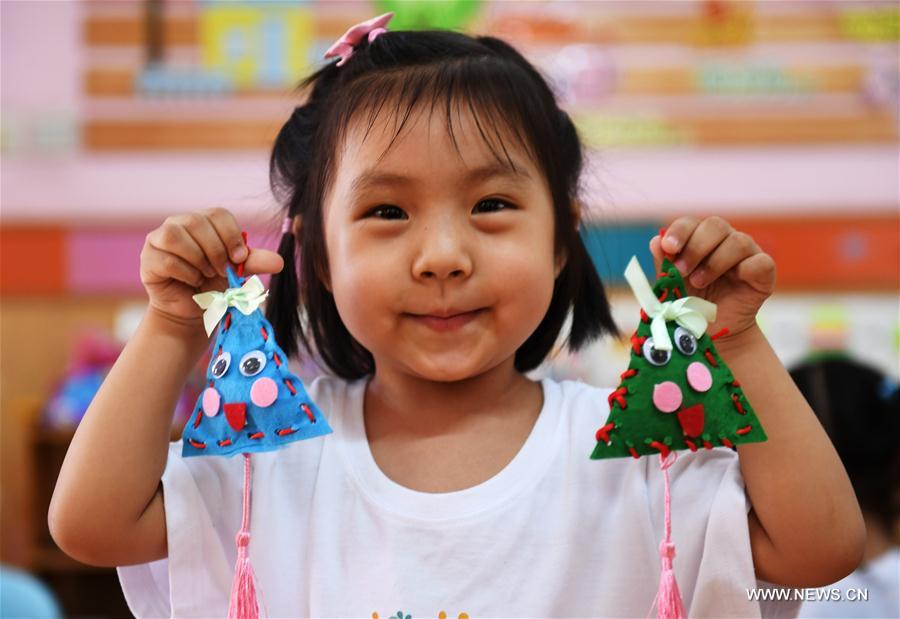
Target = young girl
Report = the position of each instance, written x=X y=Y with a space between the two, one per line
x=431 y=185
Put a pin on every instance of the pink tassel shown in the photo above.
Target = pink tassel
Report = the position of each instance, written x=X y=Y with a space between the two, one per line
x=243 y=603
x=668 y=598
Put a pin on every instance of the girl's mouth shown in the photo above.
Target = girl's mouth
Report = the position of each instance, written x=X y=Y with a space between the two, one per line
x=447 y=324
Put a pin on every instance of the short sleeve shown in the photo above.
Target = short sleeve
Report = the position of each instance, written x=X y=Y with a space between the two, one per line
x=196 y=573
x=726 y=573
x=203 y=499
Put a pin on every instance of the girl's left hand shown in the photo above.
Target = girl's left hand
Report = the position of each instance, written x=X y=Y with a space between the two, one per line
x=719 y=264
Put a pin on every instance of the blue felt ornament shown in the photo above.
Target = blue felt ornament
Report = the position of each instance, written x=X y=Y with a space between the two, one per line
x=252 y=403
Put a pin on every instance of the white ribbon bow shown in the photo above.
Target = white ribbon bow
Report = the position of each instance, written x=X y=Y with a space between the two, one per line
x=692 y=313
x=247 y=298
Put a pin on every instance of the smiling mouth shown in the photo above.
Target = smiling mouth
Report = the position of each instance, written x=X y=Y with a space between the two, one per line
x=449 y=323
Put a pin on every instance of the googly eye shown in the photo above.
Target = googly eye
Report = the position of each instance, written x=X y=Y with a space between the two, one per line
x=655 y=355
x=685 y=341
x=253 y=363
x=220 y=364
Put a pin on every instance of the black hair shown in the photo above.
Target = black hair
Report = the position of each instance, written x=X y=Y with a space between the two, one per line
x=859 y=408
x=404 y=69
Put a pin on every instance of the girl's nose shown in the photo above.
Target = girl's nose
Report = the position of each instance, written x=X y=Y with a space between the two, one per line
x=443 y=255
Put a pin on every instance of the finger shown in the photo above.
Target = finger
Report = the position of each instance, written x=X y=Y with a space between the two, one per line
x=736 y=247
x=759 y=272
x=206 y=240
x=163 y=266
x=263 y=261
x=228 y=230
x=656 y=252
x=707 y=235
x=173 y=238
x=678 y=233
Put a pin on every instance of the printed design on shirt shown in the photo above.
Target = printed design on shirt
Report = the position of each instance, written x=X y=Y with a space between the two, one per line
x=400 y=615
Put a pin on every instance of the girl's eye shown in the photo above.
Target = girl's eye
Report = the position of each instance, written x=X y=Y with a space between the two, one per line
x=494 y=202
x=392 y=210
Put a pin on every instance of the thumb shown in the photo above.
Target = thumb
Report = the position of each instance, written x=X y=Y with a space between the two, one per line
x=263 y=261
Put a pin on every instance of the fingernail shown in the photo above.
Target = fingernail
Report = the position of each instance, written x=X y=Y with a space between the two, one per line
x=681 y=266
x=697 y=277
x=671 y=243
x=240 y=253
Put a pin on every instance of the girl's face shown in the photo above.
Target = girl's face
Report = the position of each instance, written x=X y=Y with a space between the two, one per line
x=429 y=231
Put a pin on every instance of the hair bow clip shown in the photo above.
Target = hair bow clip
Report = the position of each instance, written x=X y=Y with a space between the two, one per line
x=343 y=47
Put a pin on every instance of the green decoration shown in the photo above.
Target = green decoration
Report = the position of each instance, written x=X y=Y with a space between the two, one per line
x=430 y=14
x=677 y=392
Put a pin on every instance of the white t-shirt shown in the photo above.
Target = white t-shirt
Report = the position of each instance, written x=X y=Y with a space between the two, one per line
x=554 y=534
x=873 y=590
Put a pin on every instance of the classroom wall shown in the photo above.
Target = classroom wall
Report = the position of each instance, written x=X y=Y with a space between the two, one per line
x=780 y=117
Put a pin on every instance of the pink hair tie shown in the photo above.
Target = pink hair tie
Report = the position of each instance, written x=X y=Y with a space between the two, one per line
x=343 y=47
x=286 y=224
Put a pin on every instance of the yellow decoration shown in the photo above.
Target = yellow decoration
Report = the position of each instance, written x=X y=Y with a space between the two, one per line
x=256 y=44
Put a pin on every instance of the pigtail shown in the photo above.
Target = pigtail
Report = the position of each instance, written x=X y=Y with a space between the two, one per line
x=591 y=313
x=289 y=167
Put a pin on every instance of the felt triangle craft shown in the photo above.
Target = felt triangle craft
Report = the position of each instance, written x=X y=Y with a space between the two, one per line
x=252 y=401
x=677 y=392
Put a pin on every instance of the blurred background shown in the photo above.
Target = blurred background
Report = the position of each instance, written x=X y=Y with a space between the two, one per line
x=781 y=117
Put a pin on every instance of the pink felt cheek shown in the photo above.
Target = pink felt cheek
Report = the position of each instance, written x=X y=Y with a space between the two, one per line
x=211 y=401
x=667 y=396
x=264 y=391
x=698 y=376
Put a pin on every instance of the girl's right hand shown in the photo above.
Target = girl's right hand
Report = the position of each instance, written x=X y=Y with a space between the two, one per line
x=187 y=254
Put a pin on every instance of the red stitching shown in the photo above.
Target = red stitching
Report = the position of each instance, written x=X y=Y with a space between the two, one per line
x=644 y=316
x=662 y=447
x=603 y=433
x=290 y=386
x=308 y=412
x=707 y=445
x=743 y=430
x=677 y=292
x=284 y=431
x=664 y=294
x=735 y=383
x=633 y=453
x=727 y=443
x=199 y=416
x=197 y=444
x=737 y=404
x=264 y=334
x=618 y=396
x=637 y=341
x=628 y=373
x=710 y=358
x=257 y=435
x=691 y=445
x=227 y=324
x=224 y=442
x=277 y=359
x=723 y=331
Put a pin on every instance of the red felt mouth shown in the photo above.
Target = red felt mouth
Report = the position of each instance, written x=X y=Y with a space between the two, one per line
x=236 y=414
x=691 y=420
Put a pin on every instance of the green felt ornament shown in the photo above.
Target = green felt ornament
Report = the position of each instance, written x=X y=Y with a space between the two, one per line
x=677 y=392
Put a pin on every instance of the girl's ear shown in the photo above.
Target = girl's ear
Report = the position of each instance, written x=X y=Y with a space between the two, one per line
x=297 y=226
x=561 y=260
